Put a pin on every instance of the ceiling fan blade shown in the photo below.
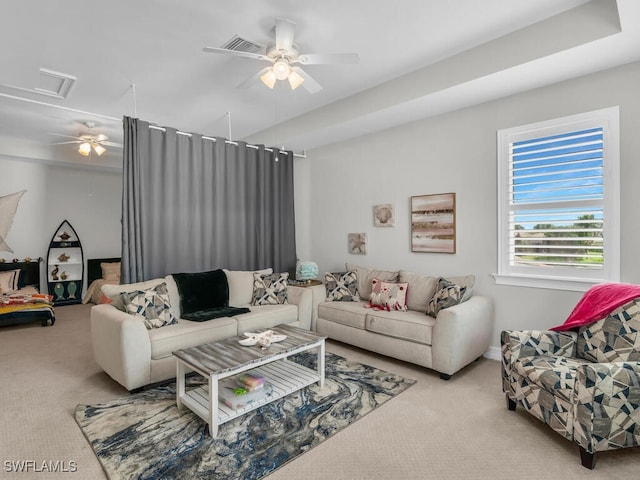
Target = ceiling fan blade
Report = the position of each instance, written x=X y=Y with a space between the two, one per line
x=67 y=143
x=66 y=136
x=285 y=30
x=253 y=79
x=238 y=53
x=101 y=137
x=309 y=84
x=111 y=144
x=328 y=58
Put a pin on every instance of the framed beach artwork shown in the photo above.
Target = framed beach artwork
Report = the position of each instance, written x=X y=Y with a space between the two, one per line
x=433 y=223
x=357 y=243
x=383 y=215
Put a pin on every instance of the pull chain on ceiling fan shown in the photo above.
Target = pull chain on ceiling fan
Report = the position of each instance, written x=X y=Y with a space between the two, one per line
x=284 y=56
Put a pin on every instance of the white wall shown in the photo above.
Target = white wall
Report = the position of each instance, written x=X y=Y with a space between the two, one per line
x=456 y=152
x=89 y=199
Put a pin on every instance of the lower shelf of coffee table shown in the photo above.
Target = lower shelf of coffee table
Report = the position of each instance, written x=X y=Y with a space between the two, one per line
x=283 y=376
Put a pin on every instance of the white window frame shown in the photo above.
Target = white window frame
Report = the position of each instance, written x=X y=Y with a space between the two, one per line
x=566 y=278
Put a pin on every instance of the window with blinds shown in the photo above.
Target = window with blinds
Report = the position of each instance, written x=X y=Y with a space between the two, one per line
x=558 y=200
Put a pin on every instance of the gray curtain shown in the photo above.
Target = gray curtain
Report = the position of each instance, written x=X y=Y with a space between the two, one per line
x=191 y=204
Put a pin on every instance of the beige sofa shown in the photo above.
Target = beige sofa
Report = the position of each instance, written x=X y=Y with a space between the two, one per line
x=135 y=356
x=457 y=336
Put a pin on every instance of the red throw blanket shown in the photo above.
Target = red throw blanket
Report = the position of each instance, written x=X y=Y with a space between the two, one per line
x=598 y=302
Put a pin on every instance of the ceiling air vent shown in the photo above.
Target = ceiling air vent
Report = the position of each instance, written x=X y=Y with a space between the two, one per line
x=243 y=45
x=50 y=83
x=54 y=84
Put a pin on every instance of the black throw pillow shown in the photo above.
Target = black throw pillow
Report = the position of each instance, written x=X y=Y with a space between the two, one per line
x=204 y=315
x=202 y=290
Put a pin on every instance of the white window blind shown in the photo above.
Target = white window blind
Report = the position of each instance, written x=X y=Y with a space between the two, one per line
x=558 y=201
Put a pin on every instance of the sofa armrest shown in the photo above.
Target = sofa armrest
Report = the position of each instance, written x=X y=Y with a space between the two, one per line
x=319 y=295
x=528 y=343
x=121 y=346
x=516 y=344
x=607 y=406
x=461 y=334
x=303 y=299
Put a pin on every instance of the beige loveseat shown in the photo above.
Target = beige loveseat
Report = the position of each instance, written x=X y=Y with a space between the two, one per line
x=135 y=356
x=457 y=336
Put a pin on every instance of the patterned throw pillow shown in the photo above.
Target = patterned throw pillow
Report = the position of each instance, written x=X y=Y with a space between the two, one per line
x=447 y=295
x=152 y=306
x=342 y=286
x=388 y=296
x=270 y=289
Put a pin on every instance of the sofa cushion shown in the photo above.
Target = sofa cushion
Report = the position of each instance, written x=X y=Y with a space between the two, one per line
x=113 y=291
x=421 y=289
x=270 y=289
x=555 y=374
x=366 y=276
x=202 y=290
x=266 y=316
x=151 y=306
x=447 y=295
x=615 y=338
x=414 y=326
x=241 y=285
x=186 y=334
x=342 y=286
x=388 y=295
x=352 y=314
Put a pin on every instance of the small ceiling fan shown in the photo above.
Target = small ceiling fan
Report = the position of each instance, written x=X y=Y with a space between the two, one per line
x=284 y=57
x=89 y=141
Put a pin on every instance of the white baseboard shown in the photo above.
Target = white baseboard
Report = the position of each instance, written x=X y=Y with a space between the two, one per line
x=493 y=353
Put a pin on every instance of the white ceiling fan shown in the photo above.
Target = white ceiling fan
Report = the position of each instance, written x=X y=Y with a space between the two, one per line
x=89 y=141
x=284 y=57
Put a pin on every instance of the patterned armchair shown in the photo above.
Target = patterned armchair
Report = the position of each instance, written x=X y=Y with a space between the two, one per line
x=585 y=385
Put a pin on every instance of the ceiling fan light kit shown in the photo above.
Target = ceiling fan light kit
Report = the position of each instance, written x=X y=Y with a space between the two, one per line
x=85 y=148
x=281 y=70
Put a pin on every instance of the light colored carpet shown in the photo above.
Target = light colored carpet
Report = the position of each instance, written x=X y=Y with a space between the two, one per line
x=459 y=429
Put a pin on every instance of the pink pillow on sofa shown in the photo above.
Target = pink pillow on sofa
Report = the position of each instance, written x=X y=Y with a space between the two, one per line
x=388 y=295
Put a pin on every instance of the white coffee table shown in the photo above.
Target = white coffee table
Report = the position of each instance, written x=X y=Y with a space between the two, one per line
x=218 y=360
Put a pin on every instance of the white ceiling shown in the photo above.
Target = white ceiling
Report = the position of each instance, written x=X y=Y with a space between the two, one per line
x=417 y=58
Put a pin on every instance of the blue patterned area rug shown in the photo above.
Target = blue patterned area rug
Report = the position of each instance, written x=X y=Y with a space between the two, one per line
x=145 y=436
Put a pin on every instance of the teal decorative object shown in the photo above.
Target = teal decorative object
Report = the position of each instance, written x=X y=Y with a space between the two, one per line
x=306 y=271
x=58 y=289
x=72 y=288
